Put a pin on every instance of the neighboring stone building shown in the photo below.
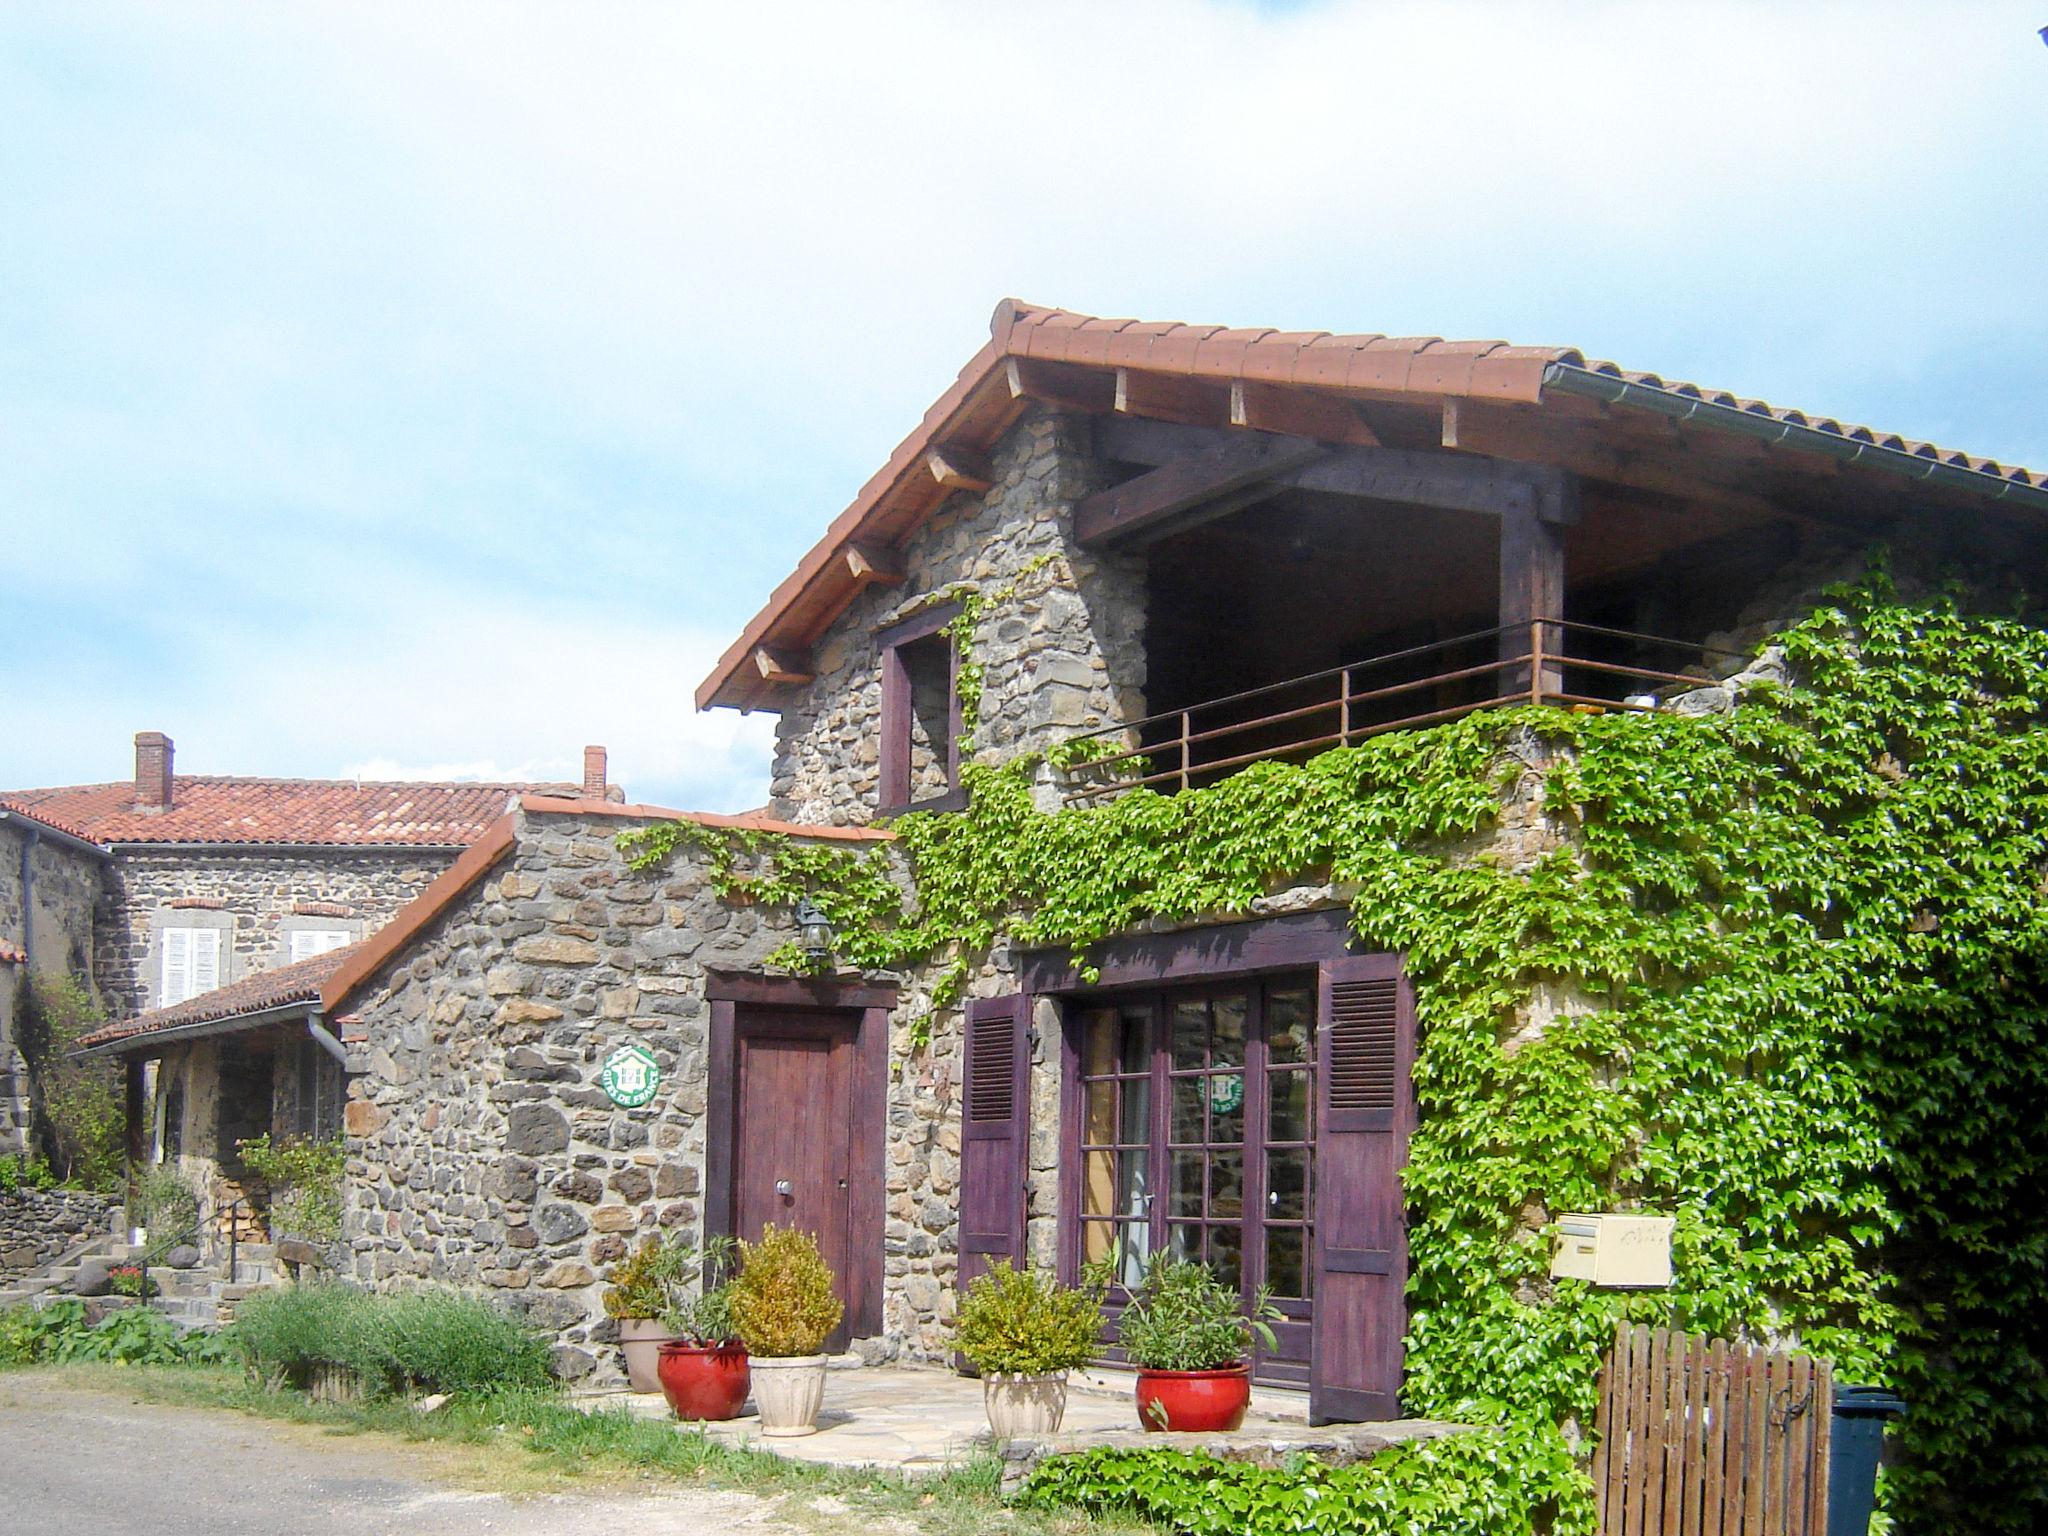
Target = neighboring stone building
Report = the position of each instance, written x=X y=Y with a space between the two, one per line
x=52 y=883
x=1206 y=548
x=165 y=887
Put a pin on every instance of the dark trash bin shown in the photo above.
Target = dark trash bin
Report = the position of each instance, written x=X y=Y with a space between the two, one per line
x=1861 y=1415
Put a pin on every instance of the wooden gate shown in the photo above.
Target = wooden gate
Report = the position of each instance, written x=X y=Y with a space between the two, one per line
x=1701 y=1437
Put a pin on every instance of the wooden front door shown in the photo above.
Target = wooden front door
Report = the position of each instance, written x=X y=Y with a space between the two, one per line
x=793 y=1134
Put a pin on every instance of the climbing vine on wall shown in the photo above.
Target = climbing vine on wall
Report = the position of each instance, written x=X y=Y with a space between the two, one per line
x=1793 y=972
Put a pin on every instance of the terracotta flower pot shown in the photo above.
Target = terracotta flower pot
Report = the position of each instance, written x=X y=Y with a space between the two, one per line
x=703 y=1382
x=641 y=1339
x=788 y=1390
x=1194 y=1401
x=1024 y=1407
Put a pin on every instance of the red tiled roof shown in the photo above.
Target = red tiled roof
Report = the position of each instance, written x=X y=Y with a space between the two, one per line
x=1313 y=367
x=342 y=812
x=299 y=982
x=58 y=823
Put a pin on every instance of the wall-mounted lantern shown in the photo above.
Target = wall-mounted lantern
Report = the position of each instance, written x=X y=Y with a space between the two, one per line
x=813 y=931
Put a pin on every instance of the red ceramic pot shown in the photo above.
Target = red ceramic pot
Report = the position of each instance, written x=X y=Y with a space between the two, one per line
x=1194 y=1401
x=704 y=1383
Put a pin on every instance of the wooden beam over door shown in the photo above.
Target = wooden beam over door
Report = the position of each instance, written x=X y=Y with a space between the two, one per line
x=1215 y=472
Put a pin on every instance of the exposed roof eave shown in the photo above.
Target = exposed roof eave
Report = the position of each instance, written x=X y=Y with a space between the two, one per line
x=152 y=1042
x=1855 y=445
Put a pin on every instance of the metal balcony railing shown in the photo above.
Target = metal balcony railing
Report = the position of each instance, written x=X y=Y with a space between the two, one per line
x=1547 y=661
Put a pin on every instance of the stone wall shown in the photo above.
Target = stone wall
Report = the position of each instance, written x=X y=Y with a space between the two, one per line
x=1060 y=638
x=256 y=896
x=39 y=1225
x=483 y=1153
x=50 y=914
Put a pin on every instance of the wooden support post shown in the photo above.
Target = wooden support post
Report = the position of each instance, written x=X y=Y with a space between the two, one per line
x=1531 y=589
x=135 y=1104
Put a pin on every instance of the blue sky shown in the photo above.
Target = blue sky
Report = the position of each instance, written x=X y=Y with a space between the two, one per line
x=431 y=389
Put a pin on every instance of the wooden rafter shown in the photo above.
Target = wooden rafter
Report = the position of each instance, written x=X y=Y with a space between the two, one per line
x=782 y=668
x=1299 y=413
x=959 y=468
x=1167 y=397
x=1212 y=476
x=1060 y=385
x=872 y=565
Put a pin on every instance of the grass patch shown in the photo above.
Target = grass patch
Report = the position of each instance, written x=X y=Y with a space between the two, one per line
x=525 y=1442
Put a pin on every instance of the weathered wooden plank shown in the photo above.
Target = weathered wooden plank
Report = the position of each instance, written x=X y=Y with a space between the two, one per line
x=1682 y=1512
x=1823 y=1447
x=1603 y=1416
x=1166 y=397
x=1157 y=499
x=1798 y=1441
x=1757 y=1431
x=1736 y=1455
x=1713 y=1479
x=1060 y=385
x=1611 y=1486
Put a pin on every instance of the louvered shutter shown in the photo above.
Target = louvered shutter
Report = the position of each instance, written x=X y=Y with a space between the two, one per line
x=205 y=960
x=1365 y=1055
x=177 y=977
x=995 y=1134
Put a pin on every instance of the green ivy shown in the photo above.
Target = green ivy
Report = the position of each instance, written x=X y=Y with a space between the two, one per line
x=1797 y=963
x=1492 y=1483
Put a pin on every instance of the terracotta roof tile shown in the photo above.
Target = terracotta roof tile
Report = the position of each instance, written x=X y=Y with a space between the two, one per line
x=1427 y=368
x=345 y=813
x=299 y=982
x=17 y=807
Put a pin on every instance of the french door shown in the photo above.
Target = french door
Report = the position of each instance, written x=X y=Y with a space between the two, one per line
x=1197 y=1138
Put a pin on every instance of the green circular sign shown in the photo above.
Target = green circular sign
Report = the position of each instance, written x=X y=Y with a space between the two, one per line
x=630 y=1076
x=1226 y=1094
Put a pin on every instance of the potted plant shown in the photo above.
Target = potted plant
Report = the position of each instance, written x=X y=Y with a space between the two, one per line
x=636 y=1297
x=1187 y=1334
x=1024 y=1331
x=703 y=1368
x=783 y=1310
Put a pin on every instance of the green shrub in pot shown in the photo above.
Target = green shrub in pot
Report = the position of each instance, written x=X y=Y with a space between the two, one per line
x=1188 y=1334
x=785 y=1310
x=1024 y=1331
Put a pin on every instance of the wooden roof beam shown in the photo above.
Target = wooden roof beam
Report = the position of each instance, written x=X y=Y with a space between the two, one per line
x=1211 y=480
x=1299 y=413
x=959 y=468
x=872 y=565
x=1060 y=385
x=782 y=668
x=1166 y=397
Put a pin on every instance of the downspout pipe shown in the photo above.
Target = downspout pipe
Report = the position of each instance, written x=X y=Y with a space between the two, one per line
x=1610 y=390
x=326 y=1041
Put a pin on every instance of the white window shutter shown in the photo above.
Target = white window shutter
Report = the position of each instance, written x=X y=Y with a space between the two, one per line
x=308 y=942
x=205 y=960
x=177 y=977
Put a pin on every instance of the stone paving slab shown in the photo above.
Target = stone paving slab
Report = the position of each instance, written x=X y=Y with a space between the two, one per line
x=924 y=1420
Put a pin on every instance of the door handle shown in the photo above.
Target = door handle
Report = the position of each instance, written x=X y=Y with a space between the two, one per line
x=784 y=1188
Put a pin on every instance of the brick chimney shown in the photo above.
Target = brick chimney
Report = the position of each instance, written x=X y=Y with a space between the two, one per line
x=593 y=773
x=152 y=771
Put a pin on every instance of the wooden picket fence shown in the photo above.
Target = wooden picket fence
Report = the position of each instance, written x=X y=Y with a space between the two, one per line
x=1701 y=1437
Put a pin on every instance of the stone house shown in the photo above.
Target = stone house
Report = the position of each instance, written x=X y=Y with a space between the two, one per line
x=176 y=885
x=1190 y=549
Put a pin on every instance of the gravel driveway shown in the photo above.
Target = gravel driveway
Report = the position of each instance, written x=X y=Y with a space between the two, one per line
x=83 y=1461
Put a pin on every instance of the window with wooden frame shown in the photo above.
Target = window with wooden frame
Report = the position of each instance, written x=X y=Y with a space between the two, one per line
x=190 y=964
x=921 y=720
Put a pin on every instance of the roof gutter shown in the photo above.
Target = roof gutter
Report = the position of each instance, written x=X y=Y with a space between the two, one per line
x=1727 y=418
x=280 y=1013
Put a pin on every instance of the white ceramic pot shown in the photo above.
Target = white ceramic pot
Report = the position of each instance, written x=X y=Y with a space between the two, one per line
x=1024 y=1407
x=788 y=1392
x=640 y=1340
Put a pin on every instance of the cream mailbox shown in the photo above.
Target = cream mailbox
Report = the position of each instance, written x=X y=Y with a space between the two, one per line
x=1627 y=1252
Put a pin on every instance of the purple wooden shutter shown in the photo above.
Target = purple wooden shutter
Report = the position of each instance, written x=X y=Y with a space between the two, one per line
x=1365 y=1053
x=995 y=1134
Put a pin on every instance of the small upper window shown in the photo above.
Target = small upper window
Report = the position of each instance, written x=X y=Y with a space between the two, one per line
x=308 y=942
x=191 y=964
x=921 y=724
